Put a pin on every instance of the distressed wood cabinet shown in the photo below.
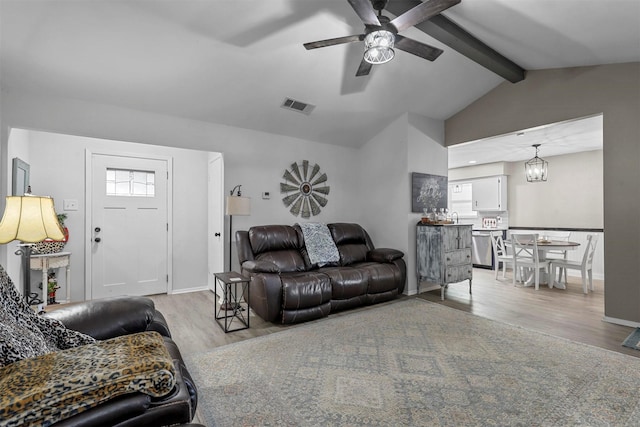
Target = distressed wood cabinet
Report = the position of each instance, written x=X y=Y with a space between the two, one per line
x=443 y=254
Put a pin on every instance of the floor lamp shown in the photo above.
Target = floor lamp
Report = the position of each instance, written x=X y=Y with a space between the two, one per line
x=29 y=219
x=236 y=205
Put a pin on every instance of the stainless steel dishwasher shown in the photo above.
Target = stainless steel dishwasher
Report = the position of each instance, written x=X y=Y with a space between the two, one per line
x=482 y=251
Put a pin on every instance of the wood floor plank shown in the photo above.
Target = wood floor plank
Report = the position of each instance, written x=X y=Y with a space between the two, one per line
x=564 y=313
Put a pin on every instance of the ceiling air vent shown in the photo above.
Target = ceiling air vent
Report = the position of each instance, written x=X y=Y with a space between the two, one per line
x=300 y=107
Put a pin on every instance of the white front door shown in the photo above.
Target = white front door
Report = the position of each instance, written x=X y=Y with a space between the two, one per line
x=129 y=226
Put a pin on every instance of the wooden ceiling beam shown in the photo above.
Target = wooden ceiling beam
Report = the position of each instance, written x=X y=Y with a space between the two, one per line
x=448 y=32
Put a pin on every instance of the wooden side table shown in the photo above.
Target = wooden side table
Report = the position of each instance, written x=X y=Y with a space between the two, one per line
x=56 y=260
x=235 y=307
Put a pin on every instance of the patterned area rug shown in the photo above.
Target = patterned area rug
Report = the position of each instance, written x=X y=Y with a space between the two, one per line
x=633 y=340
x=415 y=363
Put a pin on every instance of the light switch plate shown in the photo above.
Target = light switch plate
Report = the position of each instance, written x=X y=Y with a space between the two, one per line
x=266 y=195
x=70 y=205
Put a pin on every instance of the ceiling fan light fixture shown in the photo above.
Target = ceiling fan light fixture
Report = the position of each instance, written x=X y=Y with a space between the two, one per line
x=378 y=47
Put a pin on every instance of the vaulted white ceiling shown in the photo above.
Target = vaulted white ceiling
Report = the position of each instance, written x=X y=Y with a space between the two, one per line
x=234 y=61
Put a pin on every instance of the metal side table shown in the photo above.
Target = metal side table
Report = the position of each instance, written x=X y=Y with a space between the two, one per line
x=234 y=307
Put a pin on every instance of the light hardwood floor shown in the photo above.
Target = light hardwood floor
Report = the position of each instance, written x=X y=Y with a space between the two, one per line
x=565 y=313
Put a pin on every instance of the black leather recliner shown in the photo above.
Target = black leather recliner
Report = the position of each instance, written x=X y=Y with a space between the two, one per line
x=112 y=317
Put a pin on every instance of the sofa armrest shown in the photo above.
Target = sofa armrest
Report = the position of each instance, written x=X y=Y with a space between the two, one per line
x=384 y=255
x=254 y=267
x=108 y=317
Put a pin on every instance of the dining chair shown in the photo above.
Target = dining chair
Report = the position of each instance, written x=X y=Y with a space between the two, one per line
x=525 y=255
x=500 y=254
x=585 y=266
x=558 y=253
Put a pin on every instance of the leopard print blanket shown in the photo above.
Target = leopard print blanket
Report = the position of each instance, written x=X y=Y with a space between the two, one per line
x=52 y=387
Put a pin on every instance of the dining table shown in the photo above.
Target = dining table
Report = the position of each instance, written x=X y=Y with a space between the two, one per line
x=544 y=247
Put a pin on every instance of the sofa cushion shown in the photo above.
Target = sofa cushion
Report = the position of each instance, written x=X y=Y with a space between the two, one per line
x=346 y=282
x=267 y=238
x=352 y=242
x=26 y=334
x=382 y=277
x=279 y=244
x=305 y=290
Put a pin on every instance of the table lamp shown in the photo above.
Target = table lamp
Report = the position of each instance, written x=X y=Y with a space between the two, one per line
x=29 y=219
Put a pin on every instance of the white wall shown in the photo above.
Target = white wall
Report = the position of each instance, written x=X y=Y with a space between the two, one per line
x=58 y=170
x=384 y=186
x=426 y=154
x=20 y=150
x=410 y=144
x=572 y=197
x=478 y=171
x=254 y=159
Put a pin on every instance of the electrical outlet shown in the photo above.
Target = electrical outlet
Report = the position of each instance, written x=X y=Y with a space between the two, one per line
x=70 y=205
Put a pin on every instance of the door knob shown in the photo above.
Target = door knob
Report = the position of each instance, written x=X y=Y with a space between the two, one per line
x=97 y=240
x=217 y=234
x=97 y=229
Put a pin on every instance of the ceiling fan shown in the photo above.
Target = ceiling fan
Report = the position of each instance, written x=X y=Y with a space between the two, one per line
x=381 y=33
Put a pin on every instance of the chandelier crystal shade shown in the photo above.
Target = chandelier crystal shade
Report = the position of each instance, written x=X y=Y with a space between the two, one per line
x=536 y=169
x=378 y=47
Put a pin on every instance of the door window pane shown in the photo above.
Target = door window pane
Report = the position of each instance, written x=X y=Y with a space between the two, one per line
x=128 y=183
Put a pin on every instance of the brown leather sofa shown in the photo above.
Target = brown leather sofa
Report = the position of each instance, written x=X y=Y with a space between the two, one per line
x=287 y=288
x=112 y=317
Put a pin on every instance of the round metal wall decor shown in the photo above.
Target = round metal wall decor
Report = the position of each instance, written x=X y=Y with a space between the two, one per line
x=305 y=189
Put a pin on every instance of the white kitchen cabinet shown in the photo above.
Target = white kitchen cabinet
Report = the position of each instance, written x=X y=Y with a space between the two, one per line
x=489 y=194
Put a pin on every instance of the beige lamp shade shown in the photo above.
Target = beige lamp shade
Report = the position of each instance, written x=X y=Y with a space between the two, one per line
x=237 y=205
x=30 y=219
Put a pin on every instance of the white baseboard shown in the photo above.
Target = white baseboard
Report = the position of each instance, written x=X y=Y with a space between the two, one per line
x=621 y=322
x=423 y=288
x=189 y=290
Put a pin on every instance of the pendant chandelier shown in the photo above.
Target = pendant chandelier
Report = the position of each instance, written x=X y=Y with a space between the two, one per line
x=536 y=169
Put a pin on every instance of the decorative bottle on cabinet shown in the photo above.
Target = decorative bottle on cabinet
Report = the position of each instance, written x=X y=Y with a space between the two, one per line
x=443 y=254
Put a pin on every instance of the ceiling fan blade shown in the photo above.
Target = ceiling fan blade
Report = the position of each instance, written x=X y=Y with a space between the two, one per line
x=364 y=68
x=365 y=11
x=333 y=42
x=417 y=48
x=421 y=13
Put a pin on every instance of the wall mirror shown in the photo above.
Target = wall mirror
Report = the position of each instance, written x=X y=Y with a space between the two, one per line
x=20 y=177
